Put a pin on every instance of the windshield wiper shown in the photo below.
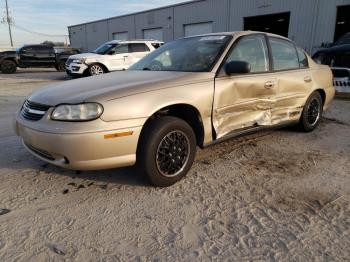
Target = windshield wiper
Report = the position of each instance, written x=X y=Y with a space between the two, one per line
x=146 y=69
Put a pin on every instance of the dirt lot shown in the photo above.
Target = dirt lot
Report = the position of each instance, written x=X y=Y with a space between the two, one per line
x=278 y=195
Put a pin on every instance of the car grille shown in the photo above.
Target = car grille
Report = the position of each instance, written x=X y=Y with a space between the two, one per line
x=341 y=83
x=40 y=152
x=341 y=73
x=33 y=111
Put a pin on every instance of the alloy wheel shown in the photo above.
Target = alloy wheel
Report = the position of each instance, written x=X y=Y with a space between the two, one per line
x=173 y=153
x=96 y=70
x=313 y=112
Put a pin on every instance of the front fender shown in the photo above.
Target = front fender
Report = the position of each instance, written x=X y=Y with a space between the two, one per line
x=13 y=59
x=144 y=105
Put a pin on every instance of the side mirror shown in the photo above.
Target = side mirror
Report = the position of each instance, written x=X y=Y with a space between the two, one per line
x=112 y=52
x=237 y=67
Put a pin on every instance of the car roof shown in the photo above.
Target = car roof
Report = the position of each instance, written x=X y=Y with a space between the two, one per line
x=135 y=41
x=41 y=45
x=241 y=33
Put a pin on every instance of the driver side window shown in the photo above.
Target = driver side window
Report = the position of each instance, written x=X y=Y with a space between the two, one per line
x=251 y=49
x=121 y=49
x=26 y=49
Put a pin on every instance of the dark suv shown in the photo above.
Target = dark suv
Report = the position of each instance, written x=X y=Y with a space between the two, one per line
x=338 y=58
x=35 y=56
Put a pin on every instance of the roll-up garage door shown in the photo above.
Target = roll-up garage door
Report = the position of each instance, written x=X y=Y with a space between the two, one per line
x=120 y=36
x=155 y=34
x=197 y=29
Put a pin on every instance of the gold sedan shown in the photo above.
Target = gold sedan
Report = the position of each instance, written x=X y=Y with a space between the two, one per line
x=191 y=92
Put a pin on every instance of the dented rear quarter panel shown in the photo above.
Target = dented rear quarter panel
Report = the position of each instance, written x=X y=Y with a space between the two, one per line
x=323 y=79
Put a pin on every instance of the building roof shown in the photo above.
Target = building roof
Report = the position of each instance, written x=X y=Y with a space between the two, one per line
x=136 y=13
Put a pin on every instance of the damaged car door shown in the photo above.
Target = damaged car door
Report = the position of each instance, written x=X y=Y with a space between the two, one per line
x=242 y=101
x=294 y=80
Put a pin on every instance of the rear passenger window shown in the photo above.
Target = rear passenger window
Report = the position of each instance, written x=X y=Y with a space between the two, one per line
x=139 y=48
x=251 y=49
x=303 y=61
x=27 y=49
x=284 y=54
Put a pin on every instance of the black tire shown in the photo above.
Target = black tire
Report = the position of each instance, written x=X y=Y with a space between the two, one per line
x=61 y=66
x=96 y=69
x=312 y=113
x=8 y=67
x=166 y=150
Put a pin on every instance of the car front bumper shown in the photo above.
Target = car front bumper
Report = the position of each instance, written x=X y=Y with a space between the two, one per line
x=76 y=69
x=80 y=151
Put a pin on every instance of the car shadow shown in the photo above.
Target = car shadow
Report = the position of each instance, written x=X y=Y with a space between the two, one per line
x=22 y=160
x=121 y=176
x=118 y=176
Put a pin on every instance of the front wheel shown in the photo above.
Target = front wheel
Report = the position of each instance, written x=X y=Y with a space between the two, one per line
x=8 y=67
x=96 y=69
x=166 y=151
x=312 y=113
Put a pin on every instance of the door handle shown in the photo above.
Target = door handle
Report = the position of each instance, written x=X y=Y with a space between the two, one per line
x=307 y=79
x=269 y=84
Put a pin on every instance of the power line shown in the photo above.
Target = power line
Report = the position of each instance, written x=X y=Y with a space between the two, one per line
x=37 y=33
x=10 y=22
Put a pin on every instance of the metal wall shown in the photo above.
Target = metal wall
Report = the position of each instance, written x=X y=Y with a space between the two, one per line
x=301 y=14
x=326 y=19
x=214 y=11
x=311 y=22
x=121 y=24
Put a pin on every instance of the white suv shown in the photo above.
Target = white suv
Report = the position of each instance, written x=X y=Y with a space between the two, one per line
x=111 y=56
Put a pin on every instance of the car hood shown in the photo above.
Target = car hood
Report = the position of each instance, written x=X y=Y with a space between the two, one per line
x=6 y=53
x=338 y=49
x=114 y=85
x=84 y=55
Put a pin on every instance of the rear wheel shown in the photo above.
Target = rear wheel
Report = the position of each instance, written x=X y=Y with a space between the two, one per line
x=312 y=113
x=166 y=151
x=96 y=69
x=61 y=66
x=8 y=67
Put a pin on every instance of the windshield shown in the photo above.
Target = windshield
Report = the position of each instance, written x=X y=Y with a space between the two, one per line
x=194 y=54
x=104 y=49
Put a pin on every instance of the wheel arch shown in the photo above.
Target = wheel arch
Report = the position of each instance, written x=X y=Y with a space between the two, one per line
x=99 y=63
x=189 y=113
x=323 y=94
x=10 y=59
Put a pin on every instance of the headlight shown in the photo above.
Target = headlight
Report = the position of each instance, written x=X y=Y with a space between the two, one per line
x=79 y=61
x=81 y=112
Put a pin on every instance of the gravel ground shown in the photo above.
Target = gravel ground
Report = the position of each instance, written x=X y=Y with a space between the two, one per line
x=278 y=195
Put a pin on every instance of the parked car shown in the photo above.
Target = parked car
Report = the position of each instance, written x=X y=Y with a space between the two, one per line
x=195 y=91
x=35 y=56
x=111 y=56
x=338 y=58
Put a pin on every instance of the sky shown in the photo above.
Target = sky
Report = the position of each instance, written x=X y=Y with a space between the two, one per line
x=51 y=17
